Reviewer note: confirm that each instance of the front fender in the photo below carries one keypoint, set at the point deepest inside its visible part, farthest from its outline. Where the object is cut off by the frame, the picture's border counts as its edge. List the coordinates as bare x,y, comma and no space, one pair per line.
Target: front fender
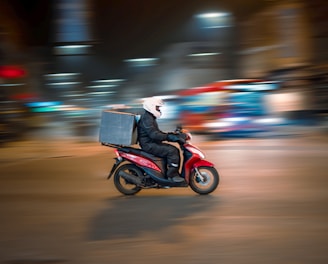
203,163
200,163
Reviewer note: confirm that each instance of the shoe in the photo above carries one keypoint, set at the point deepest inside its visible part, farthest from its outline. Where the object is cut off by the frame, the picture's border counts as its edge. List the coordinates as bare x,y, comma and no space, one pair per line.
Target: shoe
177,179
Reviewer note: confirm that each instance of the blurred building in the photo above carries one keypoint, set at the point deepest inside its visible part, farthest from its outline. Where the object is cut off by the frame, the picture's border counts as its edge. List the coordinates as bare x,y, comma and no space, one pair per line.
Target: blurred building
278,37
286,34
287,42
208,54
317,16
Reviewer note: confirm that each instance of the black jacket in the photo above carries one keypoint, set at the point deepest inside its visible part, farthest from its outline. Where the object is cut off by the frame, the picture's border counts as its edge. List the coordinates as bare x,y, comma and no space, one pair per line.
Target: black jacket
148,131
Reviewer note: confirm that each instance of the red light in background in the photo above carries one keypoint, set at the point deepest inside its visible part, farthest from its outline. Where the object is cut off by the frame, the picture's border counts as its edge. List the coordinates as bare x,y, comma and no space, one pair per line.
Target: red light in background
11,71
25,97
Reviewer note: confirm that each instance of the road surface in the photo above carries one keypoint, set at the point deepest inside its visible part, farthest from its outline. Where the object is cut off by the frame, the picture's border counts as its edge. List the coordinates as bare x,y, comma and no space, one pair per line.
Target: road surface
270,207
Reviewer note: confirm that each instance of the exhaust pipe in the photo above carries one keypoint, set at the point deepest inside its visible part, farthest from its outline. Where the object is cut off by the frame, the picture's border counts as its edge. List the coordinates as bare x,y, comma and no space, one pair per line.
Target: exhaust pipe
130,178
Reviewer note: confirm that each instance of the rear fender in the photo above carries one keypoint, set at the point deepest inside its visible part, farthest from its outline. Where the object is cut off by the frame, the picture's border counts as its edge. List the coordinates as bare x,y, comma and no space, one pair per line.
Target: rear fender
116,164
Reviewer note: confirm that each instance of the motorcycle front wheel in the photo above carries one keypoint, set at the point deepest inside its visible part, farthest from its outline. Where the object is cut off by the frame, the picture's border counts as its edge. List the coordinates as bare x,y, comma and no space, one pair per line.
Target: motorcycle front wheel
204,180
125,186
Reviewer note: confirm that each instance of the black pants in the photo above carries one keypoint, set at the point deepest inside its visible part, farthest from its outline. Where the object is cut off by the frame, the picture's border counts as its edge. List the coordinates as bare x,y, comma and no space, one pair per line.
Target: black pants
169,152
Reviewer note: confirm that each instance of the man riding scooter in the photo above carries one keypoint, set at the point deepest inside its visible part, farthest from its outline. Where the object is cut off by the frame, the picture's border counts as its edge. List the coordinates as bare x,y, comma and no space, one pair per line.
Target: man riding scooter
151,138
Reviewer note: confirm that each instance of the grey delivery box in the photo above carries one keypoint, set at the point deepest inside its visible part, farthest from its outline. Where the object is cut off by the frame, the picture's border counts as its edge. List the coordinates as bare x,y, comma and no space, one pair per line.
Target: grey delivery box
118,128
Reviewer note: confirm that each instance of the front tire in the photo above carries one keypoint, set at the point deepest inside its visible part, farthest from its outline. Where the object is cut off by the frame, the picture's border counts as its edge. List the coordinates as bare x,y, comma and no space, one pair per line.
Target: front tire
124,186
204,180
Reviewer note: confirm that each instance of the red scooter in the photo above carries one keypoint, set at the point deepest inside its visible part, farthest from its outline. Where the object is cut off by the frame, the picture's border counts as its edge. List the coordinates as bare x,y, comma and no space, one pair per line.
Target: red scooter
136,169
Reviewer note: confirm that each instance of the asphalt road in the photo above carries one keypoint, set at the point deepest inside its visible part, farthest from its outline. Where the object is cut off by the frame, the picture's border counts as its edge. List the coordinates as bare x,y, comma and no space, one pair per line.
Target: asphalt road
271,206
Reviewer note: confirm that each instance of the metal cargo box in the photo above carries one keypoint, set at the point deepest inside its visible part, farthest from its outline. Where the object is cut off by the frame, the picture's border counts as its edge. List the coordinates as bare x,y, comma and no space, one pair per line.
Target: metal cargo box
118,128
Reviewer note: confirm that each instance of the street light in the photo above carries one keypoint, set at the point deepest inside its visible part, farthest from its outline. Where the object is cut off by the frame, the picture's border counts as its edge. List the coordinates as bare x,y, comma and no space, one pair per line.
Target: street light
215,19
219,27
212,15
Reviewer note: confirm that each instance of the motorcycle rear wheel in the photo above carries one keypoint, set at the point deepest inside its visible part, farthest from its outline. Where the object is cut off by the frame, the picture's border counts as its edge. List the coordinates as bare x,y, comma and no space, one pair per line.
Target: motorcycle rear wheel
124,186
204,182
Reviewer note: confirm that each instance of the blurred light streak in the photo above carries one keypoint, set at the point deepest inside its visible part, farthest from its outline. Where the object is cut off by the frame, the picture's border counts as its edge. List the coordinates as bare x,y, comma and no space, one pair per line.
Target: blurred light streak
213,125
101,86
109,81
72,49
11,84
204,54
212,15
101,93
142,62
215,20
272,120
235,119
218,26
260,49
11,71
43,104
66,74
64,83
254,87
73,95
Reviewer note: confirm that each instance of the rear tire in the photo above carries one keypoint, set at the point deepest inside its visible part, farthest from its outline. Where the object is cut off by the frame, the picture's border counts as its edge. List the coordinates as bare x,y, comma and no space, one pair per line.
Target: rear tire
124,186
206,182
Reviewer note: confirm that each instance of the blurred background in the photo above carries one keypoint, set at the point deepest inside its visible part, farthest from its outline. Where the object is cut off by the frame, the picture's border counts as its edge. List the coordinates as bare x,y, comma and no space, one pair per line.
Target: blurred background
225,68
248,78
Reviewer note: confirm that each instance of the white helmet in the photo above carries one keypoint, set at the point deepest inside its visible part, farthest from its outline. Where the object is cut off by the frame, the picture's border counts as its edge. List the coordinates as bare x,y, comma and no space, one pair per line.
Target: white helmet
152,105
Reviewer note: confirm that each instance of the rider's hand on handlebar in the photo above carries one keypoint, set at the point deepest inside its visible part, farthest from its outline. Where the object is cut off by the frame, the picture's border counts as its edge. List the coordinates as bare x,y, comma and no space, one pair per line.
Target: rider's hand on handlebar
180,138
183,137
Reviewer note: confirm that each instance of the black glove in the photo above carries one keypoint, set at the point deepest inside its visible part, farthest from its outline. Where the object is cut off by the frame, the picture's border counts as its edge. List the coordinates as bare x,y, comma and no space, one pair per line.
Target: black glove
180,138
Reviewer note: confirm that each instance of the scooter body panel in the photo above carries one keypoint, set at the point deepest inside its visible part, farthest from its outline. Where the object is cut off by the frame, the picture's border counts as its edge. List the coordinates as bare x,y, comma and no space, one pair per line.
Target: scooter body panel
193,158
162,180
140,161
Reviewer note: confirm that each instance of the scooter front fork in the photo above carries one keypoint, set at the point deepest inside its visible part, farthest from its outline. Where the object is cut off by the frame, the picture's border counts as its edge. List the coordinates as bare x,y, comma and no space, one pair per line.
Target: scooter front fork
199,176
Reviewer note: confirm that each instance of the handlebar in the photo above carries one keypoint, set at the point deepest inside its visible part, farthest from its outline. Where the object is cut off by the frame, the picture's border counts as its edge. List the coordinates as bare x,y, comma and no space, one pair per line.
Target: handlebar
180,129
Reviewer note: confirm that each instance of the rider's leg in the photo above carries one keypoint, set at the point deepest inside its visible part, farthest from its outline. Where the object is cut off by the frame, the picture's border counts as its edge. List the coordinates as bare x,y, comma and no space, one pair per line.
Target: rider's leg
172,155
